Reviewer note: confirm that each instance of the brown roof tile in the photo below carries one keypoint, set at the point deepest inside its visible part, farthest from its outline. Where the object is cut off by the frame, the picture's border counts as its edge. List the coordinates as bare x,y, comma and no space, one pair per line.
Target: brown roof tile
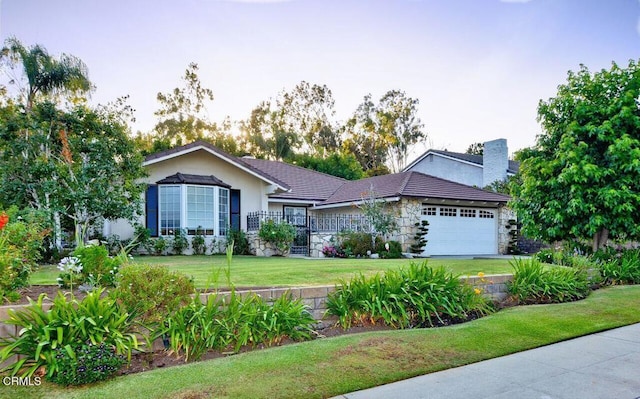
306,184
411,184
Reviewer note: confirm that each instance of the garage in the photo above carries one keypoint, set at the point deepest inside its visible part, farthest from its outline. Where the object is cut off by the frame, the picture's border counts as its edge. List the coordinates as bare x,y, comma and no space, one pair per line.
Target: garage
460,230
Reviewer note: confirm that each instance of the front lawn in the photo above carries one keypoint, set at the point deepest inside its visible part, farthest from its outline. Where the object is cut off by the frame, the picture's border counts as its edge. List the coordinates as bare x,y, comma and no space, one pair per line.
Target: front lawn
334,366
251,271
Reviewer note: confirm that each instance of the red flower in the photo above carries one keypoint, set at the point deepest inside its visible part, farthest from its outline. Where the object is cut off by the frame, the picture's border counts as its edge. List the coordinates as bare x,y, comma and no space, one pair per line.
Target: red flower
4,219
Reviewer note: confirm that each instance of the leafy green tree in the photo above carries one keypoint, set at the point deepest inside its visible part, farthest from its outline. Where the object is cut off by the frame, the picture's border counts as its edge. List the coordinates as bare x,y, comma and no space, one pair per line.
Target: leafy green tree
363,136
182,112
475,149
266,135
581,180
45,75
307,110
401,127
80,164
381,135
335,164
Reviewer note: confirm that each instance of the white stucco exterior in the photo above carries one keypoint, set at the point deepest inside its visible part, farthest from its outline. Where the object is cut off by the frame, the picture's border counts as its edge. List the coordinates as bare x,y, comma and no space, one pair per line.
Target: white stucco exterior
450,169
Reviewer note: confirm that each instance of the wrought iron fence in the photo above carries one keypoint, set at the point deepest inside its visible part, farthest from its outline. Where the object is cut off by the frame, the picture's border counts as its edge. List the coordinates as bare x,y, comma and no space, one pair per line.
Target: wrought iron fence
321,223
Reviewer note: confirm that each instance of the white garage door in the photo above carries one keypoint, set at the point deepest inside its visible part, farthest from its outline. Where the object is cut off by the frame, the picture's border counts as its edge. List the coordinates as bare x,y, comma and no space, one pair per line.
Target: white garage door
460,231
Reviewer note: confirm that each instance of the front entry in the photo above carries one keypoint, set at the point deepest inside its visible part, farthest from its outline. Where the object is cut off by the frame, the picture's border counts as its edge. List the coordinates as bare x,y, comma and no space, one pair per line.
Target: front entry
297,216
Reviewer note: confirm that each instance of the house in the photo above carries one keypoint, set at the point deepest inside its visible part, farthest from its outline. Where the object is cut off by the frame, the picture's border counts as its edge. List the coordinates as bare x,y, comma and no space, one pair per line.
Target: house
200,187
472,170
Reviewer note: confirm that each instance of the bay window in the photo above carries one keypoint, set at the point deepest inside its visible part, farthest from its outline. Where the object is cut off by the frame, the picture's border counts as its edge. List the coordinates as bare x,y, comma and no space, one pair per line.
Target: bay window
193,208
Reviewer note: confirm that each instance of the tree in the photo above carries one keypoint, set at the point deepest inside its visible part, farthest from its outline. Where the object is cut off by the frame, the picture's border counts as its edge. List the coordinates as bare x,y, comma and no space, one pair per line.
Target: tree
182,114
363,138
336,164
46,75
381,222
381,135
307,110
401,128
475,149
79,163
581,180
266,136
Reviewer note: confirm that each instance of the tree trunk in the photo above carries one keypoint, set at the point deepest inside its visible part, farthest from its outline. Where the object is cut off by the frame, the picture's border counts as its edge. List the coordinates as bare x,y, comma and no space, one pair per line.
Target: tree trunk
600,239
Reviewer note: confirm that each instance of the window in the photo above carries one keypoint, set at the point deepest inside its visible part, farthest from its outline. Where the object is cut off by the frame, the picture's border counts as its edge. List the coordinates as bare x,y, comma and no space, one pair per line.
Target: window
223,211
448,212
296,215
192,208
429,210
467,213
485,215
200,210
169,209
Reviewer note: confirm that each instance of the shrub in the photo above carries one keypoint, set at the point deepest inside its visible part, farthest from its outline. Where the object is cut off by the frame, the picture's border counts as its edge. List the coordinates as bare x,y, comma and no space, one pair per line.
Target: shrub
89,265
389,250
86,363
159,245
20,248
279,235
98,268
152,292
236,321
179,242
409,297
240,242
355,244
532,283
67,323
624,269
198,243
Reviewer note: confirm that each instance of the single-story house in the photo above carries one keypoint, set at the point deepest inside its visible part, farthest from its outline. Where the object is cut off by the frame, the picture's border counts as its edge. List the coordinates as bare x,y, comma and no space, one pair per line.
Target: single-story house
473,170
198,186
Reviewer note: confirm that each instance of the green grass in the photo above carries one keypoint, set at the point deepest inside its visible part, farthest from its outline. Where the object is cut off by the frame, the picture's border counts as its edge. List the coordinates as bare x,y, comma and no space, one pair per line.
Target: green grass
276,271
333,366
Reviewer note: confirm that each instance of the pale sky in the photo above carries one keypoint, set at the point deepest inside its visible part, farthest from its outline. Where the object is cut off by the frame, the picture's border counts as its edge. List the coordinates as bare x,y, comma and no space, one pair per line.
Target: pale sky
478,67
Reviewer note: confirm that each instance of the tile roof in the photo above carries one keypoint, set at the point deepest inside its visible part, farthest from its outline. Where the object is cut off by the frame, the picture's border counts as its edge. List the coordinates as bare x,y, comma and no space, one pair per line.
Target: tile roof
306,184
183,178
411,184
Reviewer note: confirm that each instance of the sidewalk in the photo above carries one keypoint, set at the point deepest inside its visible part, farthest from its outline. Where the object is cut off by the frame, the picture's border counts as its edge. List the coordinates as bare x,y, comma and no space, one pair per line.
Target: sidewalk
604,365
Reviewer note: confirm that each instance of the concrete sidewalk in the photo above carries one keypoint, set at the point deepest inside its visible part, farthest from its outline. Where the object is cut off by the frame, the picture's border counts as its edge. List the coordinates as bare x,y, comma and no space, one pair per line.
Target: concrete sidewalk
604,365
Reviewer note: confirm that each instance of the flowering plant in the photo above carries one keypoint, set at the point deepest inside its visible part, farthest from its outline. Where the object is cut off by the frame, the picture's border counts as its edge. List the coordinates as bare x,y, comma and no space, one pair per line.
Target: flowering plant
71,268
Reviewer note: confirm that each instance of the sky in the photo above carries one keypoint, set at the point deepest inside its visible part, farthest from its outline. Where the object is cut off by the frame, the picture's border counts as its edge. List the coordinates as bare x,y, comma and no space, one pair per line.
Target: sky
478,67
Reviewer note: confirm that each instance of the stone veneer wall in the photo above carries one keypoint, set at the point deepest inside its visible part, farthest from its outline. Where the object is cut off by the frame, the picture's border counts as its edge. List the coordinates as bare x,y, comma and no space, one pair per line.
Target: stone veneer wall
504,215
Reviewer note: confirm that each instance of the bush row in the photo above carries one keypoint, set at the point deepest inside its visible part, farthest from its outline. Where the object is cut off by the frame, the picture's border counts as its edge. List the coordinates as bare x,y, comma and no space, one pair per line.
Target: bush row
415,296
357,245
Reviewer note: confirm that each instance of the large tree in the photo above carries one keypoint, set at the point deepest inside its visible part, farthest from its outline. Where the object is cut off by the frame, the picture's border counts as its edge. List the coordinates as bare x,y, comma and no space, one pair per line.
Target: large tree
182,116
401,127
382,134
80,164
45,75
582,178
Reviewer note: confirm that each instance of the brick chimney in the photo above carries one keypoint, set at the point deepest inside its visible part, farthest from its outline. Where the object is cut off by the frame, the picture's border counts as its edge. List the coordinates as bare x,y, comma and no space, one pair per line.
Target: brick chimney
495,161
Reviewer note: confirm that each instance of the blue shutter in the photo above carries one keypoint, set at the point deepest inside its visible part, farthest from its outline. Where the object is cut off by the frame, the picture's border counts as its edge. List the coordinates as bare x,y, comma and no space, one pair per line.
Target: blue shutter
151,209
235,209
